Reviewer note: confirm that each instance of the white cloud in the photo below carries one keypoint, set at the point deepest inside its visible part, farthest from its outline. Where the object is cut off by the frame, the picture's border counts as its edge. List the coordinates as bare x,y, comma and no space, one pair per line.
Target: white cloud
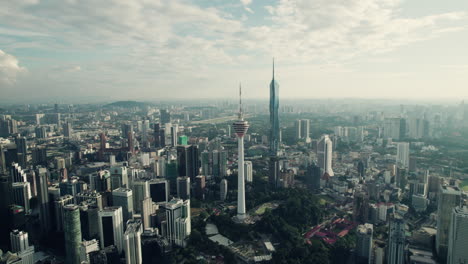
157,41
246,2
9,68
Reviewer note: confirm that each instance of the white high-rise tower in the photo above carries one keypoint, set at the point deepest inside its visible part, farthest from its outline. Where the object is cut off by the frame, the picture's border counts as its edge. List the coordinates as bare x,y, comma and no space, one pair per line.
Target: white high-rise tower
240,128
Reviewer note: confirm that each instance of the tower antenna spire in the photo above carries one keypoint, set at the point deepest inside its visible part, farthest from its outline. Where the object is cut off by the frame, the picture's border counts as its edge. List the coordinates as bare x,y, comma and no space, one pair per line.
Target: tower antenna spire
273,68
240,101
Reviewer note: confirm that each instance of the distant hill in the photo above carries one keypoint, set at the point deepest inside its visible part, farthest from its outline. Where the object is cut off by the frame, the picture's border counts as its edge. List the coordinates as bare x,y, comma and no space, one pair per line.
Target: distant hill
127,104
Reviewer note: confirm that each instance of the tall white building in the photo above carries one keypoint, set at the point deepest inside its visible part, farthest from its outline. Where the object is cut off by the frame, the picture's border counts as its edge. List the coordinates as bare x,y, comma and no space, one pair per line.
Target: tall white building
240,128
111,227
364,243
396,241
140,190
132,242
177,226
402,159
248,171
20,245
223,188
123,197
325,154
86,247
458,236
448,198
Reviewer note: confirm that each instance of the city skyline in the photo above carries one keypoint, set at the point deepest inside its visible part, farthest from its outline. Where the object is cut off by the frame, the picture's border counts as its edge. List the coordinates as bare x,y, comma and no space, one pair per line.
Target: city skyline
119,49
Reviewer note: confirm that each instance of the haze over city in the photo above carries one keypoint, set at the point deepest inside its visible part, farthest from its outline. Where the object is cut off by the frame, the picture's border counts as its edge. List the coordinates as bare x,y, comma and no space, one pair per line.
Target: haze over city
202,49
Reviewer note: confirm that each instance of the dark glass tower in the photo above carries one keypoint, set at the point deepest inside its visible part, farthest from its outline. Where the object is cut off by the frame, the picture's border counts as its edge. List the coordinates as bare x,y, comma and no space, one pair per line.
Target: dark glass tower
274,119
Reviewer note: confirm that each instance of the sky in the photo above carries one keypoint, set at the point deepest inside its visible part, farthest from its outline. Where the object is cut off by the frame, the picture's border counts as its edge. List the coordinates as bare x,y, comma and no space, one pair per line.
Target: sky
183,49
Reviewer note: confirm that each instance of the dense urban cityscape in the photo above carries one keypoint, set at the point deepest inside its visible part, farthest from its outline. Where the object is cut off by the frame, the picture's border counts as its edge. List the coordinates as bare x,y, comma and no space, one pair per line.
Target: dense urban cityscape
233,132
322,182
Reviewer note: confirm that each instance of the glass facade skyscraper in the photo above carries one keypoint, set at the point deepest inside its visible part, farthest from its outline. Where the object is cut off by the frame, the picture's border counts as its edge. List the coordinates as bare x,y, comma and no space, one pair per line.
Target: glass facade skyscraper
274,118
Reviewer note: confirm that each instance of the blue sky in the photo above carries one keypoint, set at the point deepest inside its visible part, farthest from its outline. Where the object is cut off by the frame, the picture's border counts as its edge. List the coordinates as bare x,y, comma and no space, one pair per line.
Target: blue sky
161,49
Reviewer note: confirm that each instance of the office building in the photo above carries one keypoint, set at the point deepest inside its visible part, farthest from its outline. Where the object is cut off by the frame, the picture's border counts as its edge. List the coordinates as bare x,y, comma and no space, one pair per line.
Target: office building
177,226
21,194
219,163
248,171
123,197
90,196
313,176
59,205
200,186
187,161
165,116
72,232
119,177
86,248
159,190
111,227
361,207
148,209
39,156
67,129
449,197
140,188
132,242
20,245
402,159
223,189
183,188
302,129
325,155
364,243
174,134
394,128
396,241
458,236
274,116
43,199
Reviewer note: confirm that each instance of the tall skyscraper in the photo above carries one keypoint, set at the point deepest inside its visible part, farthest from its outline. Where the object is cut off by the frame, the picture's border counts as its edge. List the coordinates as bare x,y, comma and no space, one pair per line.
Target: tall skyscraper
20,244
123,197
448,198
394,128
396,241
240,128
177,227
223,188
159,190
402,159
248,171
67,129
325,154
59,205
174,133
119,177
140,190
72,232
361,207
21,194
111,227
458,236
43,198
165,116
132,242
183,188
364,243
274,115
